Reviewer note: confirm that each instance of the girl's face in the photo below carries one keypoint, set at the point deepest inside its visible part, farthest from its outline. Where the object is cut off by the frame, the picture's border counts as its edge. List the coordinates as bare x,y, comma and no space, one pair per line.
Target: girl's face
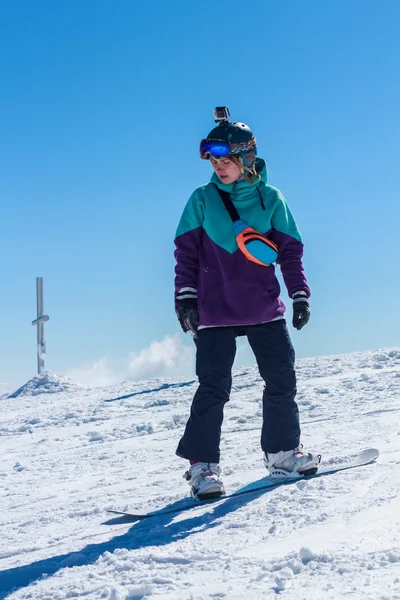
225,169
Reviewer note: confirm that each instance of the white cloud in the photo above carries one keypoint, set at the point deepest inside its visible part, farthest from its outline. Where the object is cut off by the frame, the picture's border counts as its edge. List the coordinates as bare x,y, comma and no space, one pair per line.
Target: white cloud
168,357
99,373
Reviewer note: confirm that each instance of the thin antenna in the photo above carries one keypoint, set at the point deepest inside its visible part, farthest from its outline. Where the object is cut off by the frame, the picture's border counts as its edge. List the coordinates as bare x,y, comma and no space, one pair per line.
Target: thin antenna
39,322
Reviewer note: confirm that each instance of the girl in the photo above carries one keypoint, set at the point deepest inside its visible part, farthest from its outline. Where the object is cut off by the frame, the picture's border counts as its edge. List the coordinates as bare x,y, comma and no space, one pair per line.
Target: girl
225,286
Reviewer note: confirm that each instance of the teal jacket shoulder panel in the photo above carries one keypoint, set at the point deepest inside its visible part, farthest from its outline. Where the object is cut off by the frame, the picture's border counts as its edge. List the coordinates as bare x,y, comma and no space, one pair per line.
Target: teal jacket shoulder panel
205,209
282,219
193,213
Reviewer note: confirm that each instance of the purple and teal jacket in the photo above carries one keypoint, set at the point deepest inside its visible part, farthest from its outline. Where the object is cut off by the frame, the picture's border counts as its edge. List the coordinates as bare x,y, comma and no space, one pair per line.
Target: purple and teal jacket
230,289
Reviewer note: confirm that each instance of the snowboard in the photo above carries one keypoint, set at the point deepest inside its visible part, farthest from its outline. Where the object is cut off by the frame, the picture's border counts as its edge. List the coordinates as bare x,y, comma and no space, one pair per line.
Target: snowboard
361,459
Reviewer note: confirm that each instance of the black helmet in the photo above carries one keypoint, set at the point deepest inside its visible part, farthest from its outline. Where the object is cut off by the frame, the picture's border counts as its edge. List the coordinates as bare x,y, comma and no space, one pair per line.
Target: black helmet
229,138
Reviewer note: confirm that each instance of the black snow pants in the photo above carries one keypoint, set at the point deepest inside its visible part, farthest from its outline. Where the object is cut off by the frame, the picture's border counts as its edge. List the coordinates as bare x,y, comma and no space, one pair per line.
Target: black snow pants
216,349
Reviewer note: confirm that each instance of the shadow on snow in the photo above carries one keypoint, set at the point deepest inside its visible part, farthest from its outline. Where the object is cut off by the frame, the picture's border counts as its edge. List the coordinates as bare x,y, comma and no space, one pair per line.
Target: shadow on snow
164,386
140,535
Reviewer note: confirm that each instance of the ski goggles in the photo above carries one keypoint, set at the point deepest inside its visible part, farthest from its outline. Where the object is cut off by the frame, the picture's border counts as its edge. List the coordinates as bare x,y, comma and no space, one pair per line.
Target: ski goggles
220,148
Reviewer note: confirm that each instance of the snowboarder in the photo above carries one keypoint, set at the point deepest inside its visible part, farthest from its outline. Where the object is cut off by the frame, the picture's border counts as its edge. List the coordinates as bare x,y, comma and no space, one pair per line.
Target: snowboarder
225,286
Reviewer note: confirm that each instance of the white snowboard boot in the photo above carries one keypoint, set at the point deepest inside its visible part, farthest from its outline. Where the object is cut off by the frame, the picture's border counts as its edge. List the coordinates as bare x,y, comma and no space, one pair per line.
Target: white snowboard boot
291,463
204,481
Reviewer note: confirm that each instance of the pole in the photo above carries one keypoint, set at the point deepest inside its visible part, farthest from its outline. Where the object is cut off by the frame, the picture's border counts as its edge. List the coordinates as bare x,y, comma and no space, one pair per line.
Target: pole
40,328
39,322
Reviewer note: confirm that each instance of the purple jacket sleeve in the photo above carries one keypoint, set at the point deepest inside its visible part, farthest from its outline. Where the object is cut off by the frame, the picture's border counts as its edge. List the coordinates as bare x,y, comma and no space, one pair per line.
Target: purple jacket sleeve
290,261
187,263
187,242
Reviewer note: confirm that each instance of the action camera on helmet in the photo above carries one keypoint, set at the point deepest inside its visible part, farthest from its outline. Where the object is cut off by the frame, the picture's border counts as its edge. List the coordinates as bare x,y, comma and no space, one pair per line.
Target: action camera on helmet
221,113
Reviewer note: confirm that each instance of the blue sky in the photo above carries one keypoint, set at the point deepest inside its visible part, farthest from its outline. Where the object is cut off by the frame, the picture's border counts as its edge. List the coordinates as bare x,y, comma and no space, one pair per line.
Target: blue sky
102,108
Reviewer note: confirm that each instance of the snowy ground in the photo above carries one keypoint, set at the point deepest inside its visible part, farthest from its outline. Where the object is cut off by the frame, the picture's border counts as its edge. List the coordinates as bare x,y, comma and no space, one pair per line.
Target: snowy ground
69,452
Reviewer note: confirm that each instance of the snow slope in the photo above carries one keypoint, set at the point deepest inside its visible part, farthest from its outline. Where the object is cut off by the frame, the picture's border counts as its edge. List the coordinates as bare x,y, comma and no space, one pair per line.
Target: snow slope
69,452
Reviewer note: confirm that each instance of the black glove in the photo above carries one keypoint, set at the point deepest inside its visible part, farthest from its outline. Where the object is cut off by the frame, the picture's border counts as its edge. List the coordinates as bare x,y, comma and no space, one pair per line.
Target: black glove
301,310
188,314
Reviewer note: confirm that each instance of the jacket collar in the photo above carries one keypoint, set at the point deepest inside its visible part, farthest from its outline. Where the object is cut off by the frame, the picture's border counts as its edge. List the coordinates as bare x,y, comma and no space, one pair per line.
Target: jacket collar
241,190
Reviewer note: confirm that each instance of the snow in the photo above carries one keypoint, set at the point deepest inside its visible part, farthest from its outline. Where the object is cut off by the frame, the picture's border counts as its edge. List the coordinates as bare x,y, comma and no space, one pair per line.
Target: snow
69,452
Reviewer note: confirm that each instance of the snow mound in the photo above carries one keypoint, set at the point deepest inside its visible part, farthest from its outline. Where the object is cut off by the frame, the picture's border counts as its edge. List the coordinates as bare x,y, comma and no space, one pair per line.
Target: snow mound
46,383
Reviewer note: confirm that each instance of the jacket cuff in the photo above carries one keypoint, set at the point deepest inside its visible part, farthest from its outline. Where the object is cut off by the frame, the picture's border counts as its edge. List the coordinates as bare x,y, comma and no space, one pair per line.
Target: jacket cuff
185,293
300,296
